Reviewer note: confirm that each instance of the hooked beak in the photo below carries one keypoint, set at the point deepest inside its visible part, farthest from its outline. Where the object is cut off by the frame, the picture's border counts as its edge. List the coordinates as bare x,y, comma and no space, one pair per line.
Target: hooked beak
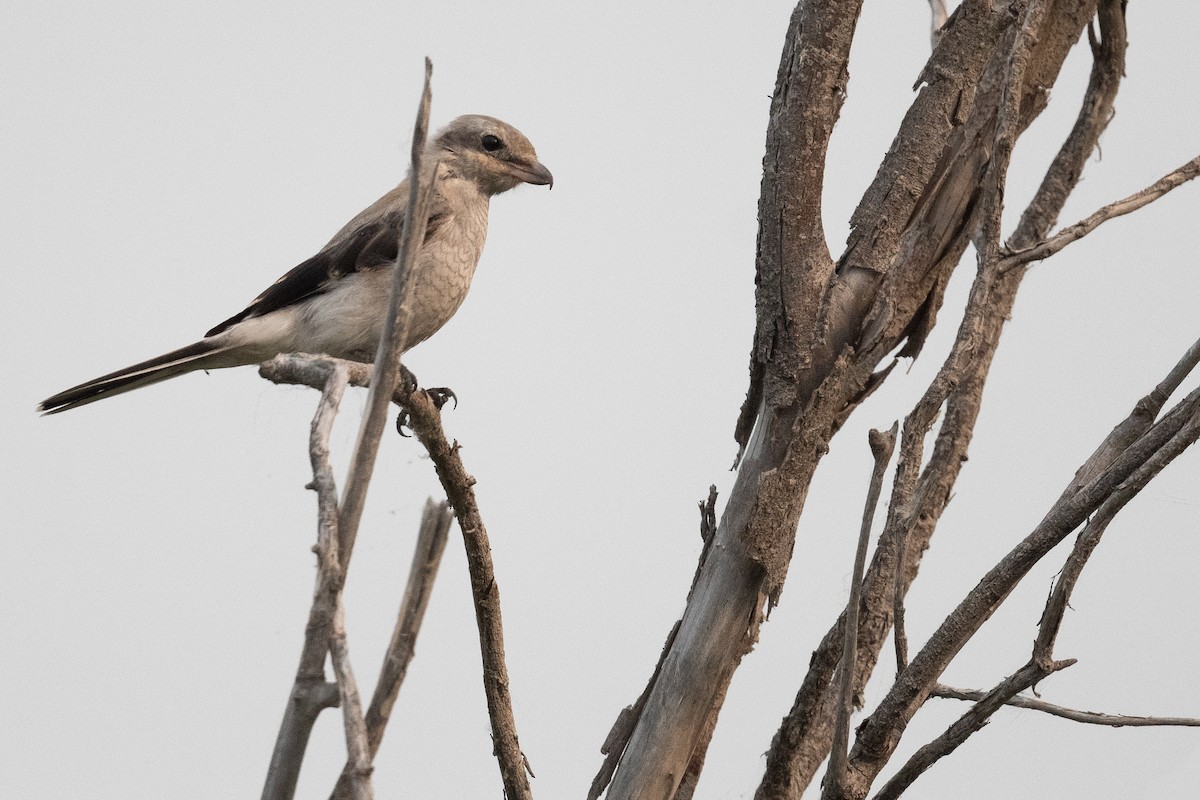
532,172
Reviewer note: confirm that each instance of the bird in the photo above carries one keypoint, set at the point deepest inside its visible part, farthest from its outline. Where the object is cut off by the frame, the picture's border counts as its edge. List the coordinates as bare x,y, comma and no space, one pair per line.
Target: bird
335,303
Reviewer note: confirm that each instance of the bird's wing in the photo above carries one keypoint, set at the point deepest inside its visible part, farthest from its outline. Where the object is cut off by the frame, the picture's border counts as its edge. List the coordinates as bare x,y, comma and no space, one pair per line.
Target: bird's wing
372,245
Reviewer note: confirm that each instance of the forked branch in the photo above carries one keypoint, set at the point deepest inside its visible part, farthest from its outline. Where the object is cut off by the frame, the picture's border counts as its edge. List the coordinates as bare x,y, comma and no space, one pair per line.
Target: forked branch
425,420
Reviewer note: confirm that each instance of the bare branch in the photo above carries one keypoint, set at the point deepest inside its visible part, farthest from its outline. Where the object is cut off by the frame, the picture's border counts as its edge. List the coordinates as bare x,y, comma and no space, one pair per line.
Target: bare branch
1075,715
310,692
1120,208
458,484
882,445
395,330
427,555
919,495
358,752
425,420
1041,663
327,599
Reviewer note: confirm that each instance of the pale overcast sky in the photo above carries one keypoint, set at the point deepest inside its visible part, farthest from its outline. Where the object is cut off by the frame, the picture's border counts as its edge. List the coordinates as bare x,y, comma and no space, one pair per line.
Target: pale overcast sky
162,163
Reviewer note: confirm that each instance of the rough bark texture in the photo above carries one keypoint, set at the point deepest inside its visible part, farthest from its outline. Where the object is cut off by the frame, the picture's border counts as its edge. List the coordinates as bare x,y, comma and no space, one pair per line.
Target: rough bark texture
825,328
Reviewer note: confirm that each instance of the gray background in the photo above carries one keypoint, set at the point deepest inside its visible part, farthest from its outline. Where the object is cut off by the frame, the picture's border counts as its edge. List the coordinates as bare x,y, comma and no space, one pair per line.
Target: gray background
161,165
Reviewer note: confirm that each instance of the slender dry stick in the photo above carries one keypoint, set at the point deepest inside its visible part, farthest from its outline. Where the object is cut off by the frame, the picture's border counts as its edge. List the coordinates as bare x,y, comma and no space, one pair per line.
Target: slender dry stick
882,445
311,693
1008,126
395,330
358,752
425,420
427,555
1074,233
426,423
1073,714
328,596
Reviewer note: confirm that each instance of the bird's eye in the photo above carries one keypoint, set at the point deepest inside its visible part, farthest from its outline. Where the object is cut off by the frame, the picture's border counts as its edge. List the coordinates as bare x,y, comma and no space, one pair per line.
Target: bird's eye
491,143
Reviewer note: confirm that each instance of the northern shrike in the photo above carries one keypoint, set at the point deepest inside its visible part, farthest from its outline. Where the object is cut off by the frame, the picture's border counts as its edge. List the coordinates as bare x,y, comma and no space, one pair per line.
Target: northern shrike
335,302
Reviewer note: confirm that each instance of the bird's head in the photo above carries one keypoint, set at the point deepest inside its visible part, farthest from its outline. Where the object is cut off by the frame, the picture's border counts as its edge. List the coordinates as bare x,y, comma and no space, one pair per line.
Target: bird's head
493,154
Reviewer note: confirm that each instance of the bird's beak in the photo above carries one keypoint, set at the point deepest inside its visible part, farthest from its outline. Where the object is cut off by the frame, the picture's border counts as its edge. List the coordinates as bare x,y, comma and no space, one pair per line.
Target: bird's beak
532,172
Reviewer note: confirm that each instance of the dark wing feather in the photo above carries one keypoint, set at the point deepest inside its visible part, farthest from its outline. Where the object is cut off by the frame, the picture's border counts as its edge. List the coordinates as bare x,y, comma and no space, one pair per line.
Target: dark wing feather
375,244
371,246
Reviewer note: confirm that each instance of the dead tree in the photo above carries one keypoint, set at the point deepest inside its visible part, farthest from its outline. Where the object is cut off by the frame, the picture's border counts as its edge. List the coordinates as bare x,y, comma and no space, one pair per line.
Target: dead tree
829,330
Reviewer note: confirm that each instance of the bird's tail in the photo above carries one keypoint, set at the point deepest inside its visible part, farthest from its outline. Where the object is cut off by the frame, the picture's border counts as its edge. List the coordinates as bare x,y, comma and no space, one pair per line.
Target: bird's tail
204,354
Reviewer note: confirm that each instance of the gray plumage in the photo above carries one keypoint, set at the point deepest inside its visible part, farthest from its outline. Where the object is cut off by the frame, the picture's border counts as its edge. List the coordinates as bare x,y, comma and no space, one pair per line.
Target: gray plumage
335,302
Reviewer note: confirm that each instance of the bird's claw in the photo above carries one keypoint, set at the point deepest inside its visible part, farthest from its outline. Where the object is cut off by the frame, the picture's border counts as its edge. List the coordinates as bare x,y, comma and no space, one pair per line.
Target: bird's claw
441,395
408,381
402,423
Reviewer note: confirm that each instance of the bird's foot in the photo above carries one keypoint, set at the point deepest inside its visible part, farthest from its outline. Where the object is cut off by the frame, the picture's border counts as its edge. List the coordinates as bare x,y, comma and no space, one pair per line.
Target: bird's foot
439,396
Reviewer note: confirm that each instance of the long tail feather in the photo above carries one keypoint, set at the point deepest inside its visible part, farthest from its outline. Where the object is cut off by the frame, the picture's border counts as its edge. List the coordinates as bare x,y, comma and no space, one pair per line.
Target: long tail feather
203,354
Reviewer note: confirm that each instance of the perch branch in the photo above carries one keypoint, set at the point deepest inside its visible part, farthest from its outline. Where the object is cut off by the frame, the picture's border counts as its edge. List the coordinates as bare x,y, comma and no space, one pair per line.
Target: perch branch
311,693
425,420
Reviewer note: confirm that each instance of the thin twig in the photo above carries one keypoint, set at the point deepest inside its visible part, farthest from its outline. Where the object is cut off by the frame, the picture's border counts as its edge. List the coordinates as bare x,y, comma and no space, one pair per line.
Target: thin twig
328,596
358,752
1095,112
1073,714
427,555
395,329
311,693
882,445
1074,233
426,424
